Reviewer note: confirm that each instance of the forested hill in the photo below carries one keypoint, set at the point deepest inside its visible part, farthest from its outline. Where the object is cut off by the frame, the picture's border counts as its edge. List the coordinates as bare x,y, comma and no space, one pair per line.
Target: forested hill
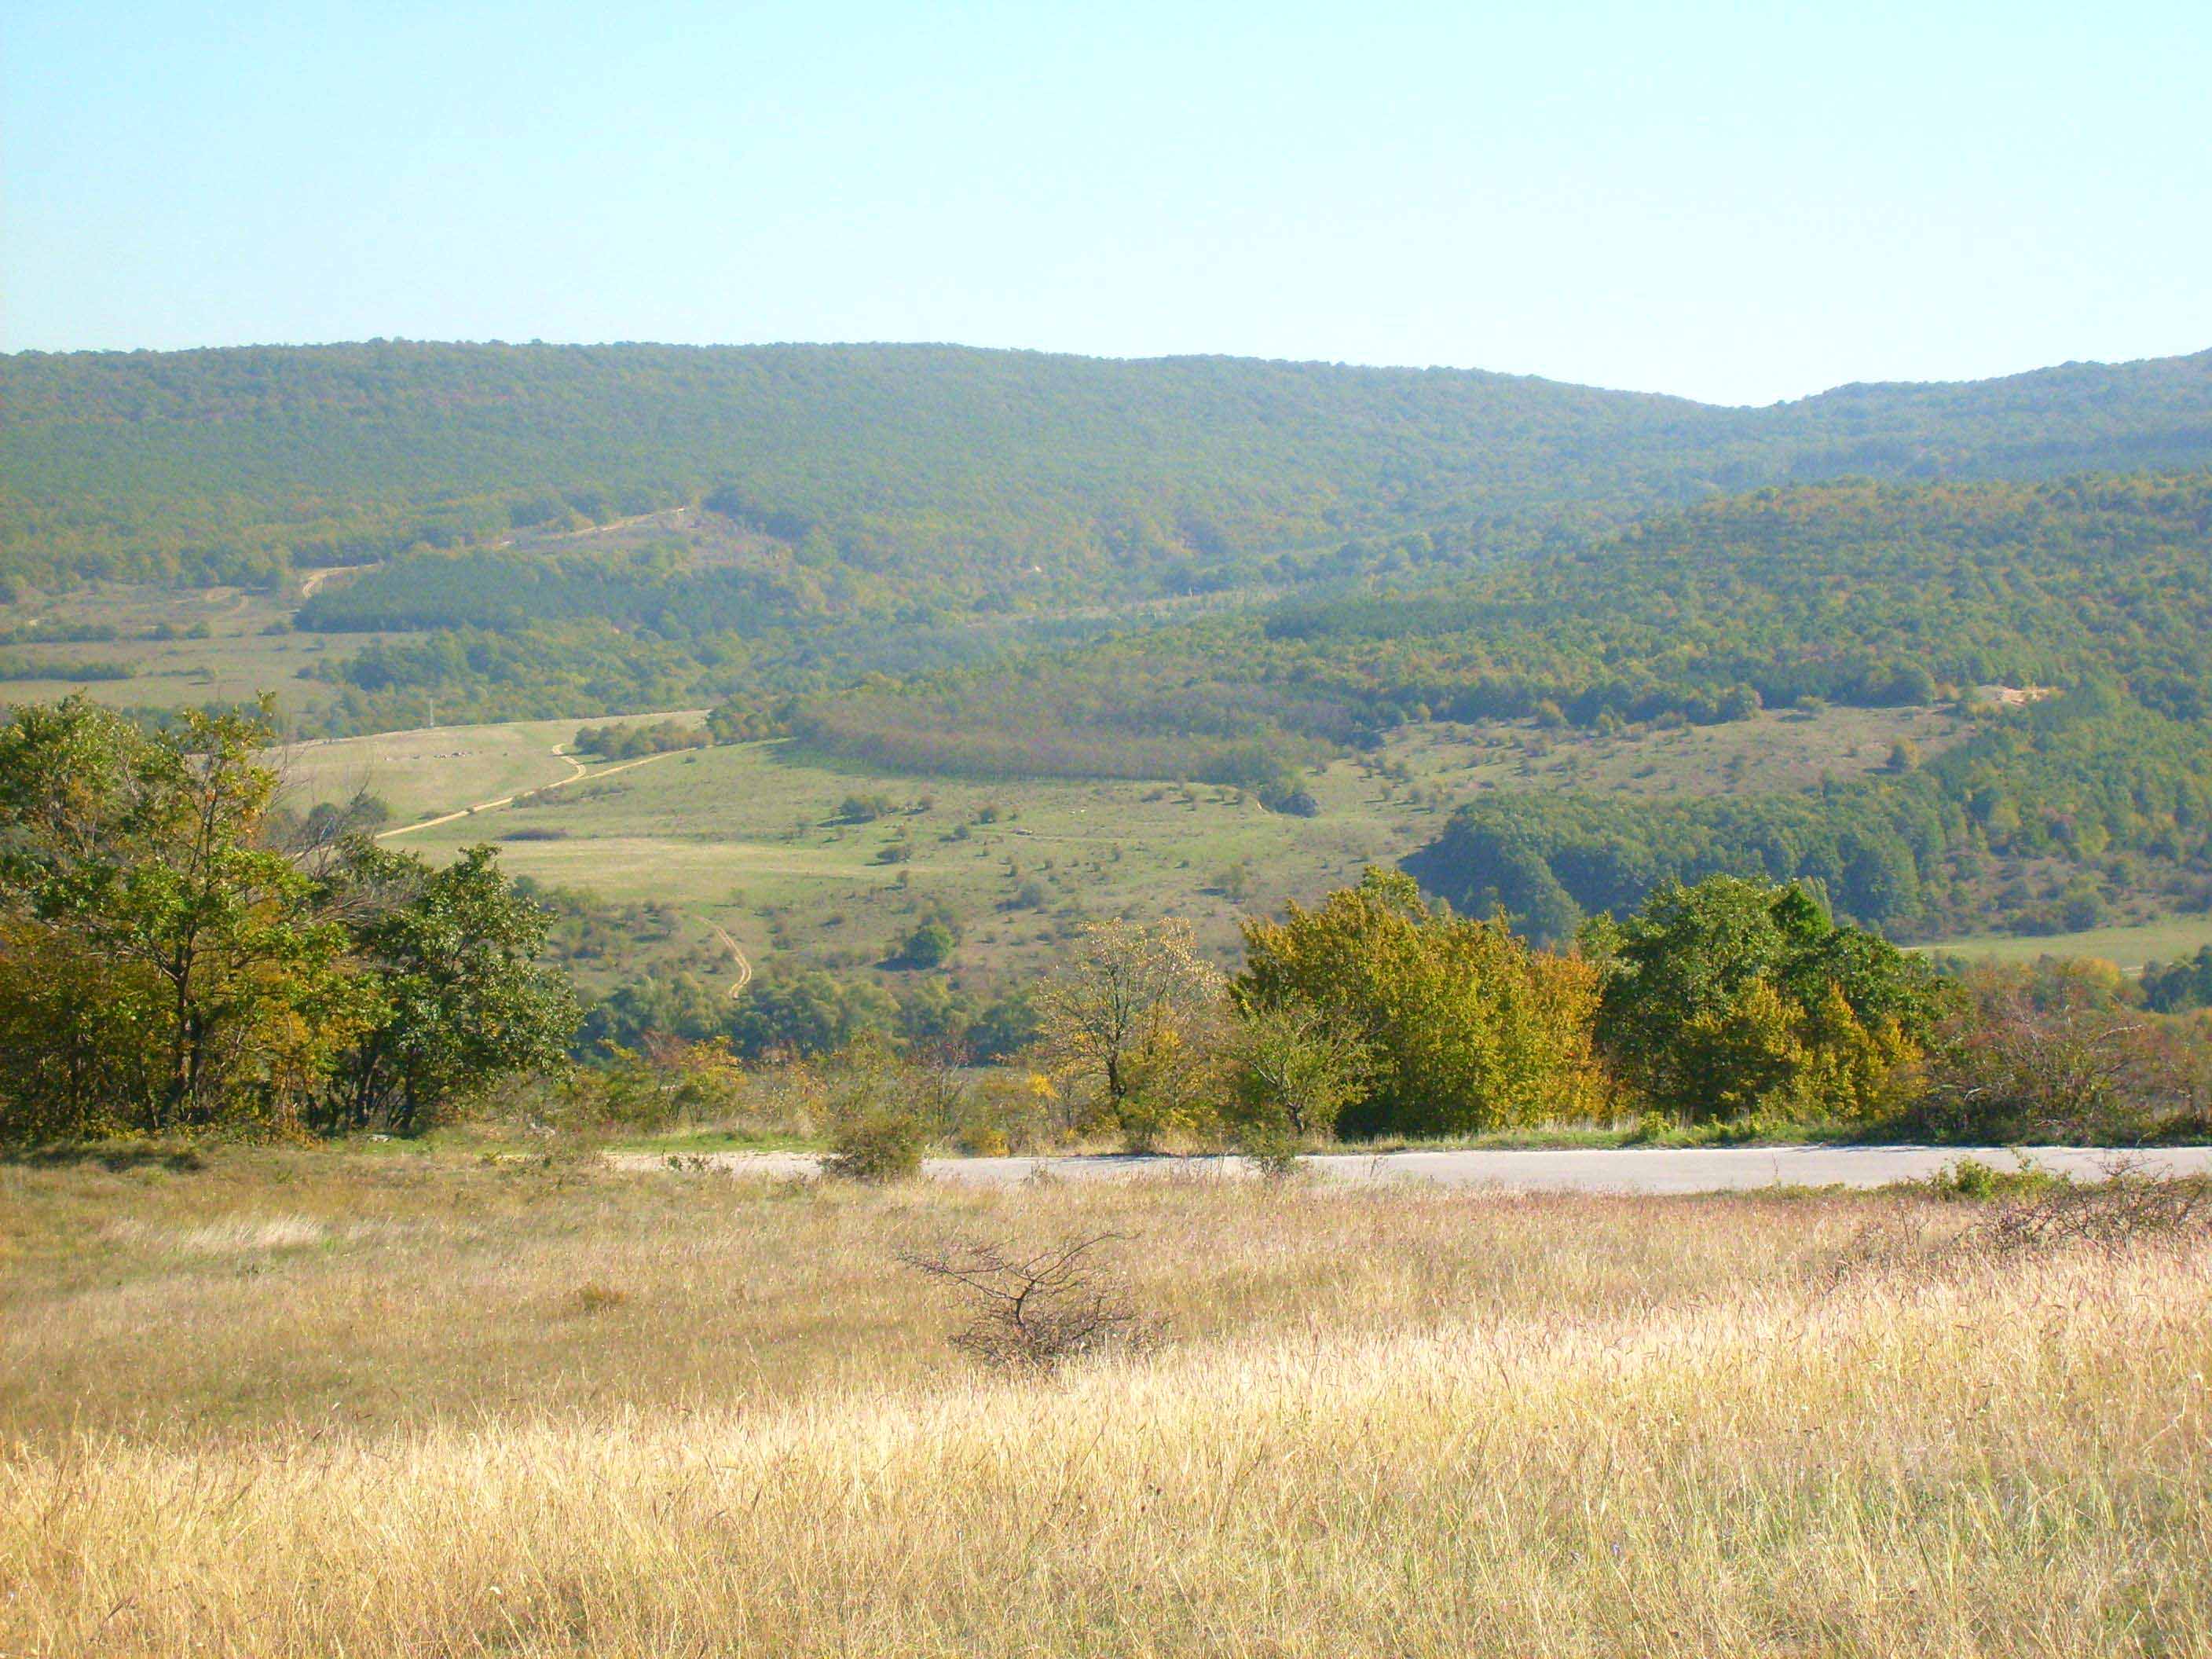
2094,594
992,477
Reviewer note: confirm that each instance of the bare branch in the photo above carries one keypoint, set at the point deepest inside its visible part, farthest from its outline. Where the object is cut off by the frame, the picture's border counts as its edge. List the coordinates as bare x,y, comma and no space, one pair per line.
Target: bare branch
1039,1310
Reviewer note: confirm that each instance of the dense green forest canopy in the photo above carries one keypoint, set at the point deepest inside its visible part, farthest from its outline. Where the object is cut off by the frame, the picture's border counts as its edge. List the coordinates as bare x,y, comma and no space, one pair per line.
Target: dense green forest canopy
978,476
1855,592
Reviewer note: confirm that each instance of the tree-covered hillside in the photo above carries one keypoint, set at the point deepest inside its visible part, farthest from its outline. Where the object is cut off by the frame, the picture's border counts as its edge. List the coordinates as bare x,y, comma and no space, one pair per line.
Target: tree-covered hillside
2094,595
1004,478
1853,592
2099,592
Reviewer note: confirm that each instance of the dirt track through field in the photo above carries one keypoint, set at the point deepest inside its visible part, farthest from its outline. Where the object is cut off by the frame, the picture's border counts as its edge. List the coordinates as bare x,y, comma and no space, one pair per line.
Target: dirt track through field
578,772
737,959
1609,1169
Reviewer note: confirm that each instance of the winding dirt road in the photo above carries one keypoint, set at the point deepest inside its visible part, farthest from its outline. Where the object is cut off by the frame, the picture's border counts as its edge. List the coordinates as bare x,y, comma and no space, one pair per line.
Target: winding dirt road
578,771
736,959
314,579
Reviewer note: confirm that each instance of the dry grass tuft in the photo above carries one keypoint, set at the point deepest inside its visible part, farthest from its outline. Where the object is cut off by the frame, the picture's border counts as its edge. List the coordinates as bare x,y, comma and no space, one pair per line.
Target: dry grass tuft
235,1235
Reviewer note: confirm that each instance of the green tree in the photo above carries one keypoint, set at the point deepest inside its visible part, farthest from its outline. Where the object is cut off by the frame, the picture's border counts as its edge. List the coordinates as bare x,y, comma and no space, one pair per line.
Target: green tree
465,1001
1469,1026
2173,987
1733,998
797,1013
210,988
929,945
1293,1068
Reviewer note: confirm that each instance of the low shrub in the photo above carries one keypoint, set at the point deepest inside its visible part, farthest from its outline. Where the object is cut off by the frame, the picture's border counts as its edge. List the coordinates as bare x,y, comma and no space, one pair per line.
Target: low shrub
2126,1208
1975,1182
2056,1058
2028,1212
1039,1310
878,1146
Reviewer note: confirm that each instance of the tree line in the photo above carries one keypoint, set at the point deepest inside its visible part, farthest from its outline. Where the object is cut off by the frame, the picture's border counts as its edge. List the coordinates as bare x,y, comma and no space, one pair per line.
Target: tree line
1374,1012
179,954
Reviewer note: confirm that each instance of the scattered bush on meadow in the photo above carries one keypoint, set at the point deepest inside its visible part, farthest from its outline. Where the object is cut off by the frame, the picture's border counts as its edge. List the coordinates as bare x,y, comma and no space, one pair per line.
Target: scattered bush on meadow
1037,1311
1970,1181
929,943
2028,1211
866,809
880,1144
2127,1208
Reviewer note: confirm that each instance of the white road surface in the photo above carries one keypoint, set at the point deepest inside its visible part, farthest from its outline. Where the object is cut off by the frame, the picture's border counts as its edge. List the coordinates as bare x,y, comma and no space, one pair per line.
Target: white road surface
1627,1170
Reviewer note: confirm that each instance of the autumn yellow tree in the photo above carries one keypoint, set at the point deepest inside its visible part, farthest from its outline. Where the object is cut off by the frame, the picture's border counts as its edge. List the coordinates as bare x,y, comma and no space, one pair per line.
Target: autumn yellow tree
1466,1025
1126,1021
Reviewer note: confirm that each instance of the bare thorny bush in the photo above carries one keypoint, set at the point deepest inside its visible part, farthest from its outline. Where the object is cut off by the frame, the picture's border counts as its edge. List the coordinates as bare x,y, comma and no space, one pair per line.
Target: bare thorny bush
2127,1210
1038,1310
2053,1057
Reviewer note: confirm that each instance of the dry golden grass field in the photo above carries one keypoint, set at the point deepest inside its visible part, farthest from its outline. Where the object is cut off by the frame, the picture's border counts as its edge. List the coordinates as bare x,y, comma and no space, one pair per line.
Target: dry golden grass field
397,1402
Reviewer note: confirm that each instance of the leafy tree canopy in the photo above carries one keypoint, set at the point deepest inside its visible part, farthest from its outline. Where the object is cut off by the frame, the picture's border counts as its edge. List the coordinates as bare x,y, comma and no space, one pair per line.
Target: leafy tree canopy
1733,998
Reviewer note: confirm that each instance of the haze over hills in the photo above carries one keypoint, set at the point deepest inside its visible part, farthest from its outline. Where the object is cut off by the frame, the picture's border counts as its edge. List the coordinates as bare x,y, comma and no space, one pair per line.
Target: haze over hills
1008,478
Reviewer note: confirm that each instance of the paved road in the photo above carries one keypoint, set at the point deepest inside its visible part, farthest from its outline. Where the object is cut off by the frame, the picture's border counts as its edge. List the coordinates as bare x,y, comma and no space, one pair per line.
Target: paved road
1631,1170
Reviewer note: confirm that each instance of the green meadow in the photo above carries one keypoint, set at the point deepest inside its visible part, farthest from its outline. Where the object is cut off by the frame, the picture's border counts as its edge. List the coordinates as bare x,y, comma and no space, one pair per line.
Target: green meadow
803,855
2130,947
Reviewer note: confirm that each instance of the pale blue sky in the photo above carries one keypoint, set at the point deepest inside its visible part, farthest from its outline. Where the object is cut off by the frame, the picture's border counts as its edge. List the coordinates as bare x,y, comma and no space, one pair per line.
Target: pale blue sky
1734,202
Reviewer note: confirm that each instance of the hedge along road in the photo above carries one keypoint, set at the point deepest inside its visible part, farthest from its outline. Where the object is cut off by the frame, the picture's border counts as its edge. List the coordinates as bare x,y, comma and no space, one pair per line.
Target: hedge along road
1608,1169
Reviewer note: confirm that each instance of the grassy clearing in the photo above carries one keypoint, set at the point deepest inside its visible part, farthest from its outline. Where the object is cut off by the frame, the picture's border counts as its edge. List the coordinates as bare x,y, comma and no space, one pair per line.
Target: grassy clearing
400,1403
438,769
755,837
239,658
2129,947
1773,752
